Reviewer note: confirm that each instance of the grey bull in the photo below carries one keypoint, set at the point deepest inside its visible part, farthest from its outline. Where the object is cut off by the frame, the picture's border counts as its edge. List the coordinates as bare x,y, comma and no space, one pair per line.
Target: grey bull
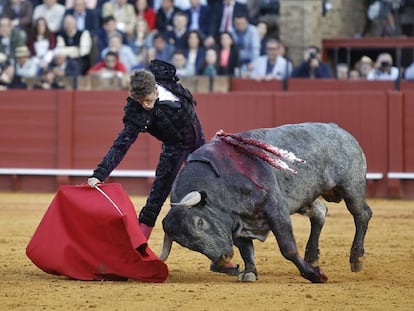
229,193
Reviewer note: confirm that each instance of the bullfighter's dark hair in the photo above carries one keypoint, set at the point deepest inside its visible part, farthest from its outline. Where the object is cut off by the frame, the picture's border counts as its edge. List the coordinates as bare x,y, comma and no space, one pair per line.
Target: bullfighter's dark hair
142,83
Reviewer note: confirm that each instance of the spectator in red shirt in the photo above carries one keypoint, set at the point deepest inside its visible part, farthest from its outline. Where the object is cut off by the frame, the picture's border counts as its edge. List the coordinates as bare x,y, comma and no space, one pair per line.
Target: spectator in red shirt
108,67
143,10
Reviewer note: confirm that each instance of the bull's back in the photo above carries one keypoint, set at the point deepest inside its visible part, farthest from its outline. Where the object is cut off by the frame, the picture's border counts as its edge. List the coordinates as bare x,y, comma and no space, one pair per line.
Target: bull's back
333,157
307,140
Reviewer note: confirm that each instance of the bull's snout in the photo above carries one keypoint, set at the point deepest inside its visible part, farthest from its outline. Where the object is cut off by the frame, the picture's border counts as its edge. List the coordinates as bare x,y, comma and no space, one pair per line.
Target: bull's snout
225,259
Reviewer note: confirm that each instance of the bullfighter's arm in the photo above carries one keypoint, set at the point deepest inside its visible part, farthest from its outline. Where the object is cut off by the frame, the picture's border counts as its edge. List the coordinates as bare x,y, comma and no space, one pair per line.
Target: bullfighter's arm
117,152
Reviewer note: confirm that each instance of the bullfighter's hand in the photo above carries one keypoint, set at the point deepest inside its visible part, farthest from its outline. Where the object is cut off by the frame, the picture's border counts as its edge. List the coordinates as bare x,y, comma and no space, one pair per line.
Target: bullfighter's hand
93,182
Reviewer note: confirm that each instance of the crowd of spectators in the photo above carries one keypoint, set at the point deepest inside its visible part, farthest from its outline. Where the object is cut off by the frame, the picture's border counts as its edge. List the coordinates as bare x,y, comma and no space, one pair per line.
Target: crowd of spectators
52,39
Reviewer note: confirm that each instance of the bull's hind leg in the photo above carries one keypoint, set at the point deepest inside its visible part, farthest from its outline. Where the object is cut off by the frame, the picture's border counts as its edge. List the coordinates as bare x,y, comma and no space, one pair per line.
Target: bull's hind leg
280,223
316,214
358,207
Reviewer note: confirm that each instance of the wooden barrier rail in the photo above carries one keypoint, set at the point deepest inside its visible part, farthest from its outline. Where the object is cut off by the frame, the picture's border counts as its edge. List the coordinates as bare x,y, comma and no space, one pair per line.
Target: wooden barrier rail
131,173
400,175
74,172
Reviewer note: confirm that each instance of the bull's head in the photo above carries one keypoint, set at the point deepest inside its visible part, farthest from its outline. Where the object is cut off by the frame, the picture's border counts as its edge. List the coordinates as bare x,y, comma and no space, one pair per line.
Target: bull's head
192,223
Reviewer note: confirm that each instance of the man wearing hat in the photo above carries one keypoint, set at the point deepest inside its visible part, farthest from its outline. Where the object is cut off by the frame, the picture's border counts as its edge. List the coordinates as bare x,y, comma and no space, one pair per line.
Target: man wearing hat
25,67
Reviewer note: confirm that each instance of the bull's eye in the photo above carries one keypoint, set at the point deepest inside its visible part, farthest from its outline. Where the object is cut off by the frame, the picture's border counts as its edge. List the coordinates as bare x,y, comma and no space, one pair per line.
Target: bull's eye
200,223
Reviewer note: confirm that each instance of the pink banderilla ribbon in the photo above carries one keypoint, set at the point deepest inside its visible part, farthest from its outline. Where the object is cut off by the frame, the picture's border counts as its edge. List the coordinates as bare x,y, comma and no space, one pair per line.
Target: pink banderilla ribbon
251,145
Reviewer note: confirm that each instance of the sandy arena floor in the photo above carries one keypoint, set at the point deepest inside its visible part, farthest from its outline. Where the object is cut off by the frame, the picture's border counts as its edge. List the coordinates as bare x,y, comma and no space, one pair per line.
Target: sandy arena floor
385,283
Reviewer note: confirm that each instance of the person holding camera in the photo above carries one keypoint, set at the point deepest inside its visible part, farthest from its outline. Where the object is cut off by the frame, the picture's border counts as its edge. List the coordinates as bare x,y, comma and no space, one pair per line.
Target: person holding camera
312,66
384,70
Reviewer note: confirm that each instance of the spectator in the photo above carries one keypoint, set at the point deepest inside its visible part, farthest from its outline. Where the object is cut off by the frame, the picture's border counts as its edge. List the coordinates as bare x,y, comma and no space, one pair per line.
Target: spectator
253,8
162,50
364,66
144,59
228,54
386,25
76,44
247,40
194,50
6,72
271,66
142,39
10,38
182,5
262,29
342,71
312,65
108,29
165,14
63,66
177,36
406,18
124,51
368,17
143,10
25,67
284,51
2,6
382,12
384,70
20,13
199,18
155,4
180,63
53,13
354,75
86,19
109,67
49,81
210,66
409,72
41,43
90,4
123,12
223,15
269,13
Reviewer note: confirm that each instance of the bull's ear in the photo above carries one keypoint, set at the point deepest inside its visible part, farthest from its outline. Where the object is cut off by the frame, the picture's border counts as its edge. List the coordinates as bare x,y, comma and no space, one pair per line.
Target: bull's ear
203,200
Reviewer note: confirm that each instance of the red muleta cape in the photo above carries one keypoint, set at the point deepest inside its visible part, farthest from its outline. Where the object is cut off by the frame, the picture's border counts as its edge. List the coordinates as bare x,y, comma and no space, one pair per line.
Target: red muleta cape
93,234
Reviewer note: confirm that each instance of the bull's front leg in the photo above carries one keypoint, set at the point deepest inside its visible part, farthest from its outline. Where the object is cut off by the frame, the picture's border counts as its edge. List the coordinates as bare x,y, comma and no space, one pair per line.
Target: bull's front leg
280,223
246,250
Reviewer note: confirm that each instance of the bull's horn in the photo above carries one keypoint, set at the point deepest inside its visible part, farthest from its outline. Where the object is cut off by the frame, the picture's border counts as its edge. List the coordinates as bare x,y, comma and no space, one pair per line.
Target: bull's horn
166,247
190,199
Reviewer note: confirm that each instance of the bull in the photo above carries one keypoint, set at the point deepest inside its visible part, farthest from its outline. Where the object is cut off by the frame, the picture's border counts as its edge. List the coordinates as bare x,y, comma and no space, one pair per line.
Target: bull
230,193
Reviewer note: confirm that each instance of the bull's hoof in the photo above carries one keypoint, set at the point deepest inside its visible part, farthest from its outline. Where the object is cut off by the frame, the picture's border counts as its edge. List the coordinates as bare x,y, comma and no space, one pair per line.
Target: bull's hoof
356,266
317,276
227,269
248,277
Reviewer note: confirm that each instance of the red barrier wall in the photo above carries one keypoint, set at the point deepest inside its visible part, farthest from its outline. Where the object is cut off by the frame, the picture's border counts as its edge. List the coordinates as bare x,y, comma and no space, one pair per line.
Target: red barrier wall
69,129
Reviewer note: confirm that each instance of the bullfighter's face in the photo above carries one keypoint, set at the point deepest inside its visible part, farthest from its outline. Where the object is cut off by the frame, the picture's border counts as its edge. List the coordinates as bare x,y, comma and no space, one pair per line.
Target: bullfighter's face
148,101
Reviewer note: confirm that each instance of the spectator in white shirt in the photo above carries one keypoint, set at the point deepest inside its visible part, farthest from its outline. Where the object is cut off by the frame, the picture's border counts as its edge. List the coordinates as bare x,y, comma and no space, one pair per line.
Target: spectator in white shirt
271,66
384,69
53,12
